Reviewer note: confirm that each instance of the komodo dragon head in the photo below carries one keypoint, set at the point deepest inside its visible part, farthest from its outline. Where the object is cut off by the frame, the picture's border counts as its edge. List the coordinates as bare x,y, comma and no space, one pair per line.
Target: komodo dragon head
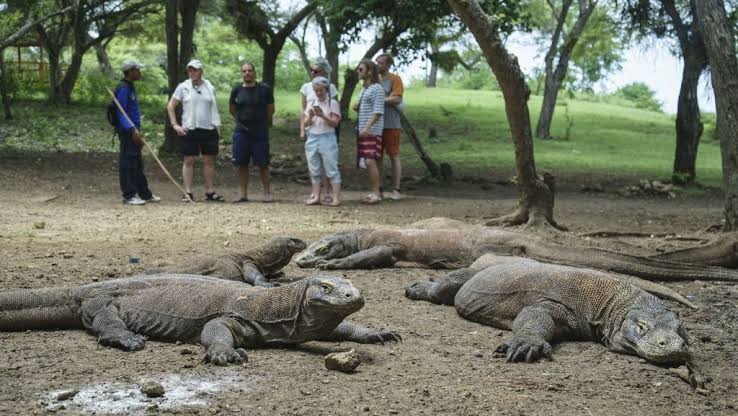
653,332
335,295
337,245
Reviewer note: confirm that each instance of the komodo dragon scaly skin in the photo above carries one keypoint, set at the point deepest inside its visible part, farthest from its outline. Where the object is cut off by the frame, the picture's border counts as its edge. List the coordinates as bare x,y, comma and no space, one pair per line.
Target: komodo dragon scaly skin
222,315
543,303
455,248
653,288
252,266
722,252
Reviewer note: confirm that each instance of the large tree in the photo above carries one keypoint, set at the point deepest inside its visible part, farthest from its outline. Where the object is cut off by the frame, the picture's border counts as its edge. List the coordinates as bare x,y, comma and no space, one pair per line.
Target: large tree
179,21
269,26
87,23
535,206
674,19
718,36
563,40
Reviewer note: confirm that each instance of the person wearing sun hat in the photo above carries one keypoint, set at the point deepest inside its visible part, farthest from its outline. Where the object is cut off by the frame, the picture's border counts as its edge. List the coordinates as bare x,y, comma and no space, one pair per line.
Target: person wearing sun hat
199,128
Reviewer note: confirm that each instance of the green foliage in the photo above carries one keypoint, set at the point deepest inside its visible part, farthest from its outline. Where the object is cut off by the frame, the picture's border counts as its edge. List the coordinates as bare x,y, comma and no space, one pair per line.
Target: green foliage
641,95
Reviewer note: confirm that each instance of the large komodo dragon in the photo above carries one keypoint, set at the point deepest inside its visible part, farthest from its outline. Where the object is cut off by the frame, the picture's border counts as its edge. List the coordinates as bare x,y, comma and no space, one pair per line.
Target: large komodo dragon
456,248
253,266
543,303
222,315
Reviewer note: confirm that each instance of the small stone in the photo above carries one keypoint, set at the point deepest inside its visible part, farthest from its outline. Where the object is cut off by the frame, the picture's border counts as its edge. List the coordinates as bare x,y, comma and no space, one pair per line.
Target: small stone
186,351
703,392
346,361
133,260
151,388
66,395
39,225
393,411
681,372
500,333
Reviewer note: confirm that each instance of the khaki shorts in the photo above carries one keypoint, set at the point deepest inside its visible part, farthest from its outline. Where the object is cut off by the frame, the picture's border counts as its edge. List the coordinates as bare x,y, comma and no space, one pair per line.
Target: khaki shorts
391,141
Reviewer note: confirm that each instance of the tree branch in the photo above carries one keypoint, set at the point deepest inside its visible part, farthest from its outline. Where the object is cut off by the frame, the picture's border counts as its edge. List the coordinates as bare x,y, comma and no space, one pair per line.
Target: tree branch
30,25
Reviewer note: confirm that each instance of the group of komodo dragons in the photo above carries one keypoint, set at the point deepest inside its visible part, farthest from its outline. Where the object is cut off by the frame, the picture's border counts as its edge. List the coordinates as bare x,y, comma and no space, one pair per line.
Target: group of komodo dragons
543,288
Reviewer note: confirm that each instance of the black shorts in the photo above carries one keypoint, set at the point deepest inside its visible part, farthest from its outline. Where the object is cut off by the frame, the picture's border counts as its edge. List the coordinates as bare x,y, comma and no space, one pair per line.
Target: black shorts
200,142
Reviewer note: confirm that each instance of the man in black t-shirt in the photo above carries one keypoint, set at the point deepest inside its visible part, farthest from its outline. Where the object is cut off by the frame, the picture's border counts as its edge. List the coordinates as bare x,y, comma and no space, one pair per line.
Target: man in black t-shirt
252,105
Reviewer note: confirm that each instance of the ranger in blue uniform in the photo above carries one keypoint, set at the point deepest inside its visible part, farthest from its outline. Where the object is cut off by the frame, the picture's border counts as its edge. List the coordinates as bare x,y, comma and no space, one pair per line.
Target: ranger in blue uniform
133,182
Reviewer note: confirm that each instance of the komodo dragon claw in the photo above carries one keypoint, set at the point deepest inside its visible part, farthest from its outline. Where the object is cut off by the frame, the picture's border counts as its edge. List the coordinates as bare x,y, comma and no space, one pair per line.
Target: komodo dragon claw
128,342
517,350
381,336
223,356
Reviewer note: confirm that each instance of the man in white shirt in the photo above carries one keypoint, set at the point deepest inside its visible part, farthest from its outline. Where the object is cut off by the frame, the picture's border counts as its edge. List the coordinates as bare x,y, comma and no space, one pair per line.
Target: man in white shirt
199,128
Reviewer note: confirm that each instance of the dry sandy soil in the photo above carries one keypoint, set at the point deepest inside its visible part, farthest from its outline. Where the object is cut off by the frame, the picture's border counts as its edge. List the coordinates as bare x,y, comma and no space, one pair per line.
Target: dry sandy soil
445,365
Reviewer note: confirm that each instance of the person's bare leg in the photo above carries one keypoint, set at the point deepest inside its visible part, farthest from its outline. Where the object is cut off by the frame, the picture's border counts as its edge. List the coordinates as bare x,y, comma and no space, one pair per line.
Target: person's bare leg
396,171
336,195
326,186
208,171
188,169
243,180
266,181
314,197
373,173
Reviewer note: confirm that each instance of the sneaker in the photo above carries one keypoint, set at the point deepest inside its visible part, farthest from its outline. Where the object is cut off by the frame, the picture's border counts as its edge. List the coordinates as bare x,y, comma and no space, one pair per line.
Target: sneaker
153,198
395,195
134,201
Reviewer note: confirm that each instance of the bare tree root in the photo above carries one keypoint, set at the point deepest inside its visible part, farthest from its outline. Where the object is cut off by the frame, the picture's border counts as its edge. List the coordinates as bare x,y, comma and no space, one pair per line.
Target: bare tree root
531,219
667,236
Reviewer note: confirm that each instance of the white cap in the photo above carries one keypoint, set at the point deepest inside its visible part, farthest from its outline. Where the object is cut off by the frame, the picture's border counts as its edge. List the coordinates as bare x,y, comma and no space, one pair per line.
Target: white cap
130,64
195,63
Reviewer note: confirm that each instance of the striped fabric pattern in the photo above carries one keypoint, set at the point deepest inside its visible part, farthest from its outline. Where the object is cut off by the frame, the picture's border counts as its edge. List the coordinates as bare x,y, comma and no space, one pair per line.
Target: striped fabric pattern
371,101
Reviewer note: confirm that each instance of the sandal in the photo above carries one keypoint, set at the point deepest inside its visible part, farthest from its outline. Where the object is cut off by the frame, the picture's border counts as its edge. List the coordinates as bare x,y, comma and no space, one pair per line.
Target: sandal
312,200
241,200
372,199
214,197
184,197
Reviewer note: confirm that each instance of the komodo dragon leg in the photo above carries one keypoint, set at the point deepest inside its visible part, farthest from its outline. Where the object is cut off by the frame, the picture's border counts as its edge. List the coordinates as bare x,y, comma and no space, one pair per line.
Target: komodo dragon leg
253,276
220,338
100,315
443,290
372,258
533,330
348,331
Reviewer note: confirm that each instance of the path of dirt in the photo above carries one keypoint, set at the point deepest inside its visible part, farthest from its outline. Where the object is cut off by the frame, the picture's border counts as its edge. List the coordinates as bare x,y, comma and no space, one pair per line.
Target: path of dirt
444,365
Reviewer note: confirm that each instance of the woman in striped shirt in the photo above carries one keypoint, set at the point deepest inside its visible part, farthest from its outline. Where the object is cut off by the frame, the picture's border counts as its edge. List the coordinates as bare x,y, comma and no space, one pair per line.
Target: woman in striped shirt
370,125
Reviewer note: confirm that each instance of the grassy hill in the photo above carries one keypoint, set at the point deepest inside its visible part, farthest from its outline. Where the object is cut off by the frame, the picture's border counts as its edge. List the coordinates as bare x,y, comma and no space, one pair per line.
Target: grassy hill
471,134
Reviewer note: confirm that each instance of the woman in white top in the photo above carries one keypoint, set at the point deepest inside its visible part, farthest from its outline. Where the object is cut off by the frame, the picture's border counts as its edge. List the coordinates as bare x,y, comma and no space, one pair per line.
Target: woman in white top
320,68
321,148
199,128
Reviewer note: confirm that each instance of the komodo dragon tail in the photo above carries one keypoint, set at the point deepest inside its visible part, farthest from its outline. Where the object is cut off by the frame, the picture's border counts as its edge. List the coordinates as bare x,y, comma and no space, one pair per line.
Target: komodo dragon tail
643,267
22,309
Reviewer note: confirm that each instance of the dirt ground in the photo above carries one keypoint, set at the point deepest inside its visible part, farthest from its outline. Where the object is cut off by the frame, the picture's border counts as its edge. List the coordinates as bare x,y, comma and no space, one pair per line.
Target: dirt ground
62,223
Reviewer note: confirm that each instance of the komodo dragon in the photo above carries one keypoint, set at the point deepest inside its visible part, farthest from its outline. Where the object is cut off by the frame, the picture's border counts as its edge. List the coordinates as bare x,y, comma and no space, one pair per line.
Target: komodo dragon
653,288
722,251
252,266
222,315
543,303
456,248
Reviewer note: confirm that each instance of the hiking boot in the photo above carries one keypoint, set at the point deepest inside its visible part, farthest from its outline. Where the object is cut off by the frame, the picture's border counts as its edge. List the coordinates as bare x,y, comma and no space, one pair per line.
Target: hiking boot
153,198
135,200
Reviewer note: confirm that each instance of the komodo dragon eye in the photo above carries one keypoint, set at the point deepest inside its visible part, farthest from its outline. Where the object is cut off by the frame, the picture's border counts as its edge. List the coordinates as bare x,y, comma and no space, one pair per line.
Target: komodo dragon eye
642,327
326,287
322,250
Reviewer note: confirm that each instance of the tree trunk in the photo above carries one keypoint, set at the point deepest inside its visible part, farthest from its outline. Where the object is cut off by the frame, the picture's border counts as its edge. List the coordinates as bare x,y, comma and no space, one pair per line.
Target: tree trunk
179,51
301,48
433,75
103,60
269,66
688,125
550,96
555,77
4,94
535,206
720,46
70,77
331,37
54,75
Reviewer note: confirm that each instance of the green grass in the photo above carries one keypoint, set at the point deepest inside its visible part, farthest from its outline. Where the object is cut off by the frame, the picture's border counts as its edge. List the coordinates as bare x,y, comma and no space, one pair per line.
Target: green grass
472,134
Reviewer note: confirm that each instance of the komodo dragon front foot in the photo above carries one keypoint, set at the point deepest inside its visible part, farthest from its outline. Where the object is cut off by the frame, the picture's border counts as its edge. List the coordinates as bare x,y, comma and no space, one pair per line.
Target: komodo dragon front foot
419,290
528,350
127,342
379,336
333,264
223,354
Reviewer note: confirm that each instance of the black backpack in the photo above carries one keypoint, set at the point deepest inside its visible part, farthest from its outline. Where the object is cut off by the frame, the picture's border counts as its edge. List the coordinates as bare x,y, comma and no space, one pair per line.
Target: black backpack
112,109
